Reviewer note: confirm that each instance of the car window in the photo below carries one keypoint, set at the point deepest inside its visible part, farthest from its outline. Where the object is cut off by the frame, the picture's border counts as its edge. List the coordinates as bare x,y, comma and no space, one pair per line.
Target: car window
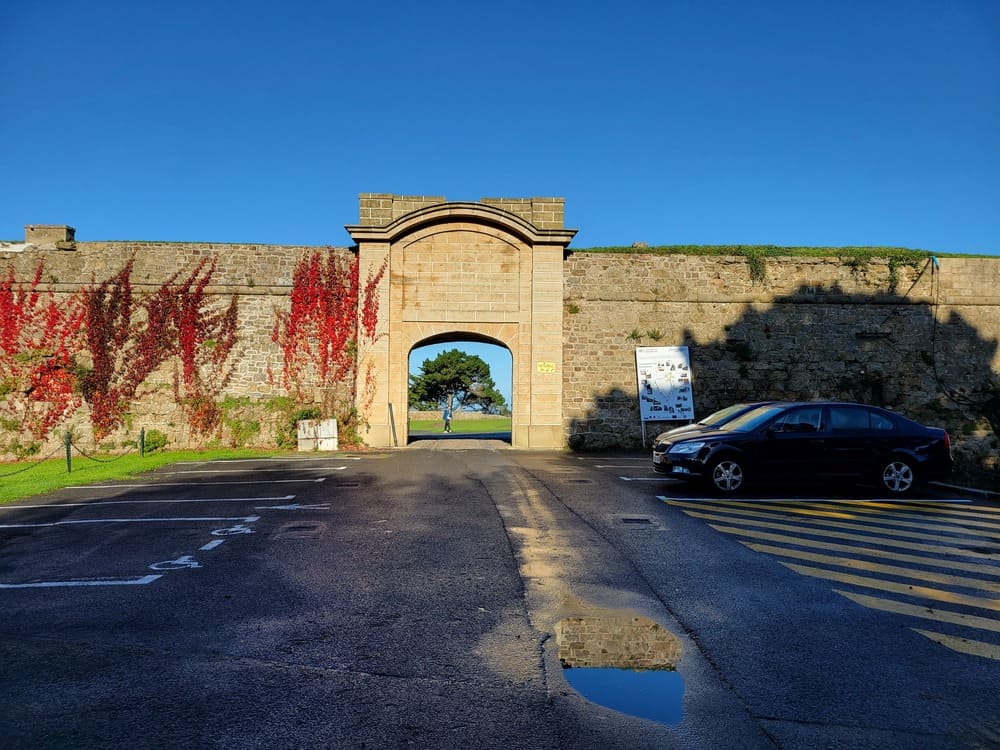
848,418
722,414
881,422
807,419
752,419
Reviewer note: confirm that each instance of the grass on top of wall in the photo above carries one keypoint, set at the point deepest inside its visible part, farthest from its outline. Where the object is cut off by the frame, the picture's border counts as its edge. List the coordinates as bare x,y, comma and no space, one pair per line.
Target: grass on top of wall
775,251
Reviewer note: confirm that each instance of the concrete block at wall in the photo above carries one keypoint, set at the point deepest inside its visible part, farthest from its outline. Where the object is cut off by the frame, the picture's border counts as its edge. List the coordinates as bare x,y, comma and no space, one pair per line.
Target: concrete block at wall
316,434
48,234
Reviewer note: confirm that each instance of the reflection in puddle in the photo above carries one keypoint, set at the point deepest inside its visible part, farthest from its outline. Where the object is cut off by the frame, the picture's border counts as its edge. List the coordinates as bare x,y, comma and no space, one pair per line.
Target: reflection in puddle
624,662
650,695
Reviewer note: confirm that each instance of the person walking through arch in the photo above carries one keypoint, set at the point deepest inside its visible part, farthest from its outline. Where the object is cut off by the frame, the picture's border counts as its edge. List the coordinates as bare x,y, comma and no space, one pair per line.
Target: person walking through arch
446,415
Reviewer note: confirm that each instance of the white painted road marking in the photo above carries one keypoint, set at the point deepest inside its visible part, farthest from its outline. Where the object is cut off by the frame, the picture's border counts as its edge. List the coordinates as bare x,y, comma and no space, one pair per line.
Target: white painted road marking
263,460
184,561
141,502
244,471
233,530
245,519
88,582
212,545
646,479
845,501
186,484
294,506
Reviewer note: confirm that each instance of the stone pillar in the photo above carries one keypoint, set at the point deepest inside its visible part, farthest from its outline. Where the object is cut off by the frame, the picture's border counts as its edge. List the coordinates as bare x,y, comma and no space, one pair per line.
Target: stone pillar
374,362
545,397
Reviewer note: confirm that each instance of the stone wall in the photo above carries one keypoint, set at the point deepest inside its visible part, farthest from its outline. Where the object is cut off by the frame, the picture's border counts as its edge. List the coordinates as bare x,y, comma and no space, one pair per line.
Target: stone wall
921,339
259,275
813,328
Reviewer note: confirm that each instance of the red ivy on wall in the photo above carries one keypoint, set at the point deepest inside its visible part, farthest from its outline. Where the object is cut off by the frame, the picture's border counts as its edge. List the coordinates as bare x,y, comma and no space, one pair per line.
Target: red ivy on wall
39,341
122,352
129,340
205,339
318,335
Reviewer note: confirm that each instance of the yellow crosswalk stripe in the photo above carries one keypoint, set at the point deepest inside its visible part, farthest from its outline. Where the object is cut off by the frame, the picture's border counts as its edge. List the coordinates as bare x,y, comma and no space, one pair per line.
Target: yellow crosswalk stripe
880,546
915,512
765,515
934,549
923,592
923,612
963,645
949,508
937,561
870,567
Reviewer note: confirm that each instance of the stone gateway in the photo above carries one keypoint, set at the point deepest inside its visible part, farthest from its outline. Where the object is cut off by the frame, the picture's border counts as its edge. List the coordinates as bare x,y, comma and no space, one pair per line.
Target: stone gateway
489,271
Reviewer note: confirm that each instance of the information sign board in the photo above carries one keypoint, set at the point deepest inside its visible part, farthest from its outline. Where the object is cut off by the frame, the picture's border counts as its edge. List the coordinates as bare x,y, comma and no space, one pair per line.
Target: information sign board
664,377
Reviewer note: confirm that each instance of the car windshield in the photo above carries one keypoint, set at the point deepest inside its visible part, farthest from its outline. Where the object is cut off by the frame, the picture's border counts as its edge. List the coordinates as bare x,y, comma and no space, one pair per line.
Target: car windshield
753,418
722,414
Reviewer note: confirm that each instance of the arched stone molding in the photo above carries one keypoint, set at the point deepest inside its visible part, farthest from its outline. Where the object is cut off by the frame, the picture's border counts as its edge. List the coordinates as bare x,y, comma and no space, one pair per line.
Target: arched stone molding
491,269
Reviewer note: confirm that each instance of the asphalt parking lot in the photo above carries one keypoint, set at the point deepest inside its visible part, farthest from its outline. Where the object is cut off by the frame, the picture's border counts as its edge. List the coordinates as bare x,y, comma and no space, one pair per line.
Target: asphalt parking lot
188,513
407,599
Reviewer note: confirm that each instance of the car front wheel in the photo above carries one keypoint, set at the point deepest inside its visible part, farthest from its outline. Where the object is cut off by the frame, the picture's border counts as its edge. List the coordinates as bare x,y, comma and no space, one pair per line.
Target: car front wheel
899,477
726,476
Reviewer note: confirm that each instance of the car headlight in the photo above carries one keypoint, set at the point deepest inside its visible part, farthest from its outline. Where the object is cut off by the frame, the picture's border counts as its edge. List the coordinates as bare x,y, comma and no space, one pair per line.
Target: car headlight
684,449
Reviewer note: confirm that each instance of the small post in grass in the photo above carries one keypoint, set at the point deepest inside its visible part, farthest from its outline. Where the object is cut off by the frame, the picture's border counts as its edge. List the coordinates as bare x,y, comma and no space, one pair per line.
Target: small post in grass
69,461
142,443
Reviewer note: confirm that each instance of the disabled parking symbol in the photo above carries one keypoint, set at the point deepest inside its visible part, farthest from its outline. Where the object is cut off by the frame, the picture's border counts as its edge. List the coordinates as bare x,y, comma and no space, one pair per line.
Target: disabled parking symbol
184,561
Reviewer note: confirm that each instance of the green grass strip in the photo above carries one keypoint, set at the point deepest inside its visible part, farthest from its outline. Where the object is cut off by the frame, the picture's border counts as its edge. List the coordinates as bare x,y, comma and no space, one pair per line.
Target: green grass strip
25,479
460,426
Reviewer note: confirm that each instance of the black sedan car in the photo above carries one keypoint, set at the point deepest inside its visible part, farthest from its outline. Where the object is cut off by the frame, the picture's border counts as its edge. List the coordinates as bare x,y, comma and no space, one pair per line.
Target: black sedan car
818,441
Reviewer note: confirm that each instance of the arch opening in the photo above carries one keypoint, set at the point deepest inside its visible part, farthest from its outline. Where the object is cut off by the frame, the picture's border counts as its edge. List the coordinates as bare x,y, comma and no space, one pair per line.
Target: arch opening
481,408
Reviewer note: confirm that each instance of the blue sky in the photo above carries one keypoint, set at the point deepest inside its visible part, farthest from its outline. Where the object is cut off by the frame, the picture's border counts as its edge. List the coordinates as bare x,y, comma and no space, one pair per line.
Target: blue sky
791,122
786,122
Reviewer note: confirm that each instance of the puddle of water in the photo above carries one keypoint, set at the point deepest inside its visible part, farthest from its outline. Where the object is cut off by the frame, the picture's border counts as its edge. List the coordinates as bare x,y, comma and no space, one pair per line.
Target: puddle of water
625,662
654,695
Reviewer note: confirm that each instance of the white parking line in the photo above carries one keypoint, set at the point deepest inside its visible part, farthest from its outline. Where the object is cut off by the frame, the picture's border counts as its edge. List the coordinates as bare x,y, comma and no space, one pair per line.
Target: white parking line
142,581
244,471
831,500
142,502
245,519
262,460
211,545
185,484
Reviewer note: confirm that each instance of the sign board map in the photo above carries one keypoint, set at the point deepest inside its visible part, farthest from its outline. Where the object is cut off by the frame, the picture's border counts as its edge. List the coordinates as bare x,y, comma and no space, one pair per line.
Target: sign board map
664,376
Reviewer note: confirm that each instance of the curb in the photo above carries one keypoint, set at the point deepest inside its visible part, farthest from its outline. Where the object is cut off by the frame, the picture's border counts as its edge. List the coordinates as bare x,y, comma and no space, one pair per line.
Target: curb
969,490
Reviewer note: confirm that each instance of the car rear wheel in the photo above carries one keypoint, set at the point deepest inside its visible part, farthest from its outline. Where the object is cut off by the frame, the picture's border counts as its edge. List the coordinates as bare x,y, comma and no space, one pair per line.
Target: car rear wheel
726,476
899,477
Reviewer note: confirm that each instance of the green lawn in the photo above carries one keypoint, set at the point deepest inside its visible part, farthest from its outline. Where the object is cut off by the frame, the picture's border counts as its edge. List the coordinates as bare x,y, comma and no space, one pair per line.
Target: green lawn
458,426
28,478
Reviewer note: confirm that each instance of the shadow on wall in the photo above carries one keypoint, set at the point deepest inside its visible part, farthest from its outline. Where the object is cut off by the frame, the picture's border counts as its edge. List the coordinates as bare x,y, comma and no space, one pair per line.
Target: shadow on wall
879,349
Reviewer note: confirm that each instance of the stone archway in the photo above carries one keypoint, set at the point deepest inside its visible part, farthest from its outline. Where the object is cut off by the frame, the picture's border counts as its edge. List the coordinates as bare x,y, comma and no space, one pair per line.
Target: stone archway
493,270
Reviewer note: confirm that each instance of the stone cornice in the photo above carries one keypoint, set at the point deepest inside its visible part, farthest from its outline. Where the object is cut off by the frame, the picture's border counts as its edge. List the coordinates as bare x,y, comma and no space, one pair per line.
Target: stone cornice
457,211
